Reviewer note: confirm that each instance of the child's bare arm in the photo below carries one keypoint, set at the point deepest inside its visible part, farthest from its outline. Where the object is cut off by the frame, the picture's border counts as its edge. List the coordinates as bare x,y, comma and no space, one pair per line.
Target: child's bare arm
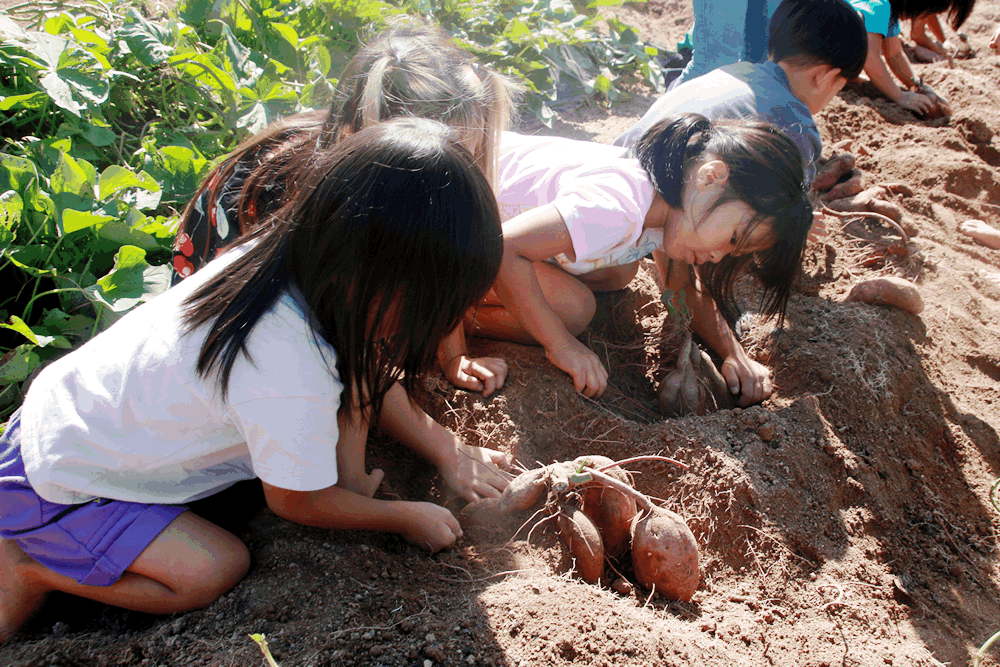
879,74
485,374
425,524
535,236
472,472
744,376
918,33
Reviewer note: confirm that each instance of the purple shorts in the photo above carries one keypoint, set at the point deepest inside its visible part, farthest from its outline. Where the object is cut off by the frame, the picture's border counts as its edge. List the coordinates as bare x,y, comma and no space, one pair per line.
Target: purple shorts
92,543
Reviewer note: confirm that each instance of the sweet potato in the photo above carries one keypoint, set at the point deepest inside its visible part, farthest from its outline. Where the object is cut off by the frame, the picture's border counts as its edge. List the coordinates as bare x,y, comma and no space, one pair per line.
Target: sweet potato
483,518
665,553
695,386
889,291
848,188
524,491
678,393
832,171
610,509
583,540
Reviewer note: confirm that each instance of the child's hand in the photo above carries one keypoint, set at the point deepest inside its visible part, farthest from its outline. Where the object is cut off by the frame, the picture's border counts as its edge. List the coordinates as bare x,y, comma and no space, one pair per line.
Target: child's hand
818,229
585,367
485,374
917,103
428,525
746,378
475,472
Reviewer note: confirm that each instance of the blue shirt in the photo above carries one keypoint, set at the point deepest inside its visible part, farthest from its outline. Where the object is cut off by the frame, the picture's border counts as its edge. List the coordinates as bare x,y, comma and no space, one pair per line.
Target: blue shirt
878,16
744,91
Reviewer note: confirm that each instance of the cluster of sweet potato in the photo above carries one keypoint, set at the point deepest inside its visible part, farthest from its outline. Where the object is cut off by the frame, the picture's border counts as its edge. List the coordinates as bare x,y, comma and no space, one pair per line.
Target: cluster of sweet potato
839,187
600,516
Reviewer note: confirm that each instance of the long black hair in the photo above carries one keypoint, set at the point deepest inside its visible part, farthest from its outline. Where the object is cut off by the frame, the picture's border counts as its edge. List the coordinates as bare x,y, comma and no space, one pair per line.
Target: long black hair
765,173
393,231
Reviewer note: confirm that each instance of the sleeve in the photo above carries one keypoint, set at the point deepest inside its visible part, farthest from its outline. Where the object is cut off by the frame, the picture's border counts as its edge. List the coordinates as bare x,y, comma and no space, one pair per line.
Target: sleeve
292,440
877,15
601,212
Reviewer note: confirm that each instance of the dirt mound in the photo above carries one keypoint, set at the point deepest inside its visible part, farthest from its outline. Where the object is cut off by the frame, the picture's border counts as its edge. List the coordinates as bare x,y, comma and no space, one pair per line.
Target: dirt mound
846,521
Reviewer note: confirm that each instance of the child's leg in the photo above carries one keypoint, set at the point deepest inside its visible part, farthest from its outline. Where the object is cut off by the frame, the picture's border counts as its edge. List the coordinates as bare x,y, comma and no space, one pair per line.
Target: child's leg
571,300
187,566
351,443
612,278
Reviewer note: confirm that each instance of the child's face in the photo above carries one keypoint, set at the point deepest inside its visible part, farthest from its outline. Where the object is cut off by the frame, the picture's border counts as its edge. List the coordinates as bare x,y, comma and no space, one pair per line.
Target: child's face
702,232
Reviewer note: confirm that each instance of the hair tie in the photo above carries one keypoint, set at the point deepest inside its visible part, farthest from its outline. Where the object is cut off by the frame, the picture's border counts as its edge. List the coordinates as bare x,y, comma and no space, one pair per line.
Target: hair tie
394,58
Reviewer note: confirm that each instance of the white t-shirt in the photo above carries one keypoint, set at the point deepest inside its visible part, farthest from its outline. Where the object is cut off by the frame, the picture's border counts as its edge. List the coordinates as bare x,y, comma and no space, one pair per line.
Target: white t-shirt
127,416
601,195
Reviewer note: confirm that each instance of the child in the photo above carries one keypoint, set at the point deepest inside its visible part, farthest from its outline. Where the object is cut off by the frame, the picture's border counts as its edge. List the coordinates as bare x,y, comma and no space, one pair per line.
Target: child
725,32
882,22
719,198
814,47
272,362
412,69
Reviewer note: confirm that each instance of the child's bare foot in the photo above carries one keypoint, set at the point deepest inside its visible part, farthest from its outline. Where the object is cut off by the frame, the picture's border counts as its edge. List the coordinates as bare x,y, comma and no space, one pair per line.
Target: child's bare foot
20,595
981,232
364,484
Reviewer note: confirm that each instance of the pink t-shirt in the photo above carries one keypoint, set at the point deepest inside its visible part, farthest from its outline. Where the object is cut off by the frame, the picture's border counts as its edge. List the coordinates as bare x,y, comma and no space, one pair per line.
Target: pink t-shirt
601,195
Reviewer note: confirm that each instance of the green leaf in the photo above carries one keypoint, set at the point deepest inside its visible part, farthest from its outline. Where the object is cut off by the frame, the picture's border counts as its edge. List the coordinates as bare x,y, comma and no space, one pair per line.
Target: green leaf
121,233
130,282
114,179
18,325
72,177
73,220
98,135
11,207
35,100
256,119
146,40
17,365
201,68
74,77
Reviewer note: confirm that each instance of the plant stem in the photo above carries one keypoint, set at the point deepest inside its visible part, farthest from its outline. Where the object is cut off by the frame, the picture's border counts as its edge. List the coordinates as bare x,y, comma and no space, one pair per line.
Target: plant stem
640,498
644,458
981,653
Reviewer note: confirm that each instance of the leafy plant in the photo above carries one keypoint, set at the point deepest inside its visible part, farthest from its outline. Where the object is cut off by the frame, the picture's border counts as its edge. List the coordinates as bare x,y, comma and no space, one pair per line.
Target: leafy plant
112,118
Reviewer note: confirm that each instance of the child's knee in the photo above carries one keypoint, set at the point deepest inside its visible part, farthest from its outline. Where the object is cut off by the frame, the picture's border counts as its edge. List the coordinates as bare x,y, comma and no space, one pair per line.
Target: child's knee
229,569
582,312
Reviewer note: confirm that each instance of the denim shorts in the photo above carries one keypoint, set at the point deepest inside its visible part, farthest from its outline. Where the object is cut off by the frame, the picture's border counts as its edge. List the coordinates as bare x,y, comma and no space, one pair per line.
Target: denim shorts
92,543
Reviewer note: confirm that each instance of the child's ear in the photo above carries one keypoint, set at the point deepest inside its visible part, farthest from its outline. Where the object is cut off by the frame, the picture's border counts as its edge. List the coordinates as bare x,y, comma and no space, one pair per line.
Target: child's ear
825,77
712,172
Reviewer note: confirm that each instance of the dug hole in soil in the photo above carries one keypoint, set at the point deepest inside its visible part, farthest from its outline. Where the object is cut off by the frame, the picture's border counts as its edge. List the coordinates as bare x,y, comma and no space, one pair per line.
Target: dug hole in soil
845,521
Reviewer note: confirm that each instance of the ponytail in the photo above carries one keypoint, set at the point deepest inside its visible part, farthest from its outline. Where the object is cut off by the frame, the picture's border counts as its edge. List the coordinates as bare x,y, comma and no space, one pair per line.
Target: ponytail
666,150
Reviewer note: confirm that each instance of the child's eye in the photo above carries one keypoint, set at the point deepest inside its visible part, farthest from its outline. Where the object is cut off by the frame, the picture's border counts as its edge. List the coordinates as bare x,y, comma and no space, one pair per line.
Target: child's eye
735,238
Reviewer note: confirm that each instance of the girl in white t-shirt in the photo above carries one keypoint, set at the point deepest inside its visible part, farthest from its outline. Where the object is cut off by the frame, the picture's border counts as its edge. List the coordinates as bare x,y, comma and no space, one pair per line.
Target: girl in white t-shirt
272,362
709,200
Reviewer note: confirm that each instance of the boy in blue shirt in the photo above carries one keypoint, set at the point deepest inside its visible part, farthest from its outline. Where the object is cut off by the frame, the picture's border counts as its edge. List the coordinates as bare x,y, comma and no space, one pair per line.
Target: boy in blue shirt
814,48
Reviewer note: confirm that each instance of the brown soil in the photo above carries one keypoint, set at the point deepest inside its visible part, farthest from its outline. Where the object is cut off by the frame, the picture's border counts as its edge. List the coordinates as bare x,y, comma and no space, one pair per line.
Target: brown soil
845,521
